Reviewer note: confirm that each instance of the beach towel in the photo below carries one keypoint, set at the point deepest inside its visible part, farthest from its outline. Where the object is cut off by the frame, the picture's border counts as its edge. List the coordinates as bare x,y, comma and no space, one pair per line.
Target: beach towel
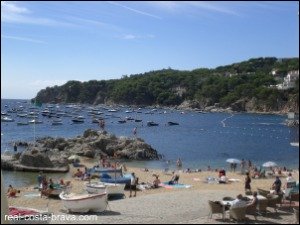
32,195
171,186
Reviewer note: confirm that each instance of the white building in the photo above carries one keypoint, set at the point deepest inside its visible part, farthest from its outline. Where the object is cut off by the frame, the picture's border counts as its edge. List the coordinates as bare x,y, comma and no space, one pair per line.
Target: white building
289,81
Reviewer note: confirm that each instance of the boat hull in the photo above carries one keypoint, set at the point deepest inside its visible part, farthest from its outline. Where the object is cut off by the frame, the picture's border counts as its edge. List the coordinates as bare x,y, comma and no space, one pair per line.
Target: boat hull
84,203
111,189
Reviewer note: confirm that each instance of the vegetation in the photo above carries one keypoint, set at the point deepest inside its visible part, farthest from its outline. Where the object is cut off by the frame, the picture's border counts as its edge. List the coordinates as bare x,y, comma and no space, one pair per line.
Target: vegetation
248,80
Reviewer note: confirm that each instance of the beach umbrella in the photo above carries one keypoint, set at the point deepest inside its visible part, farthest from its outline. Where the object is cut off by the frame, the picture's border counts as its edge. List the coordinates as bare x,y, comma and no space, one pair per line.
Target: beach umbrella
233,161
73,157
269,164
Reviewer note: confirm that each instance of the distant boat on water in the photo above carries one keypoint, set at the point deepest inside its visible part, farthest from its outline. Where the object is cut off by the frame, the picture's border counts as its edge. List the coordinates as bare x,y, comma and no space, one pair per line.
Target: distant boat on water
172,123
295,144
151,123
7,119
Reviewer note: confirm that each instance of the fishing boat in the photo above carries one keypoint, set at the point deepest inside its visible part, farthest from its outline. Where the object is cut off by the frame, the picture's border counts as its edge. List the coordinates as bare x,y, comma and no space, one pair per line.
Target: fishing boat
22,215
105,178
100,187
85,202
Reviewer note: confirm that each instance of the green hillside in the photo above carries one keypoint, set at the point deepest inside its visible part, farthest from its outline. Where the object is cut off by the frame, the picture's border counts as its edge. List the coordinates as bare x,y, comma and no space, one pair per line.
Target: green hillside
229,85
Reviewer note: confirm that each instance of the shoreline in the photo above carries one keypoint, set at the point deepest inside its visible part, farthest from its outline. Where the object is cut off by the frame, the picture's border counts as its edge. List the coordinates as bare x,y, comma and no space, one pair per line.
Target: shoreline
161,205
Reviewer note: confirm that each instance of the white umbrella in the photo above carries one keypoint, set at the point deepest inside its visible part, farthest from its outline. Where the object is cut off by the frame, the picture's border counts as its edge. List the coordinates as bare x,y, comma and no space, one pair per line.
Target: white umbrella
233,161
269,164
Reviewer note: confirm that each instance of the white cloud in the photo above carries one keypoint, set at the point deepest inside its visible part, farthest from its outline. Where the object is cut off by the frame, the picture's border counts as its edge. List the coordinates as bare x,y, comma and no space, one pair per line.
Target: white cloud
135,10
10,7
187,6
132,36
11,13
23,39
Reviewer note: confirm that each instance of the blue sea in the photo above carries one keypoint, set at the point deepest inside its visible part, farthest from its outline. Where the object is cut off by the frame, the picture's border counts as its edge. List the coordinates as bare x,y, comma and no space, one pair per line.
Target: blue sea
199,139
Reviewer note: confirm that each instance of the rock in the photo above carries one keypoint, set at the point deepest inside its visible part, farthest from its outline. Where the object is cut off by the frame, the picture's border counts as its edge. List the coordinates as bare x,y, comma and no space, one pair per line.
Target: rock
35,159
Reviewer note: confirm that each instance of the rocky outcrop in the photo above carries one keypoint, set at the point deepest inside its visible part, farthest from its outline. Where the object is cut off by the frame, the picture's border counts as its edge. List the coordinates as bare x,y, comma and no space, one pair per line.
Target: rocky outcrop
35,159
51,153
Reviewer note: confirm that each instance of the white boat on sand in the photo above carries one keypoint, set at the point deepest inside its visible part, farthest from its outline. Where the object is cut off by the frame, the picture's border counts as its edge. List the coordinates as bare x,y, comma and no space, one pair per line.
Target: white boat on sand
85,202
100,187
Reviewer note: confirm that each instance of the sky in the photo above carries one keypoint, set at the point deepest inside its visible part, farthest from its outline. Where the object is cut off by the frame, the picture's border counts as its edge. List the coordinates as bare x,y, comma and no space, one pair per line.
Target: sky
49,43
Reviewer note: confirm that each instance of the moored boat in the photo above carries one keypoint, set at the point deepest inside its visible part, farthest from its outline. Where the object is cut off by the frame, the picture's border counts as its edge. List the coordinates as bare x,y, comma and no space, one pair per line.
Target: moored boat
151,123
172,123
6,119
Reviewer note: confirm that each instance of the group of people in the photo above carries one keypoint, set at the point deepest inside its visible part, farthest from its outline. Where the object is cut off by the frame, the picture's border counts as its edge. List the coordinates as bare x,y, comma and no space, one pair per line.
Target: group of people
47,186
240,201
82,175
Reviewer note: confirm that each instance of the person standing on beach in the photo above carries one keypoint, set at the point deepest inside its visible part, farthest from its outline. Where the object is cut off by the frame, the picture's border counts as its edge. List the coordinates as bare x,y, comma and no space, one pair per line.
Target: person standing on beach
179,163
133,183
247,182
243,164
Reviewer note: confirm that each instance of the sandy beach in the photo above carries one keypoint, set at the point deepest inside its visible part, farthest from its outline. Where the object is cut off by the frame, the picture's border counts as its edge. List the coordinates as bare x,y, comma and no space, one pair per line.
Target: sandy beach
183,205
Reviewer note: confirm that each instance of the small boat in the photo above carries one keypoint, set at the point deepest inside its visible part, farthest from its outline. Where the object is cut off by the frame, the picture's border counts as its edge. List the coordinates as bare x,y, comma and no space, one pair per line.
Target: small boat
138,121
78,119
151,123
6,119
295,144
35,121
22,123
106,170
22,114
112,110
58,189
118,180
57,122
100,187
121,121
84,203
128,111
22,215
129,118
172,123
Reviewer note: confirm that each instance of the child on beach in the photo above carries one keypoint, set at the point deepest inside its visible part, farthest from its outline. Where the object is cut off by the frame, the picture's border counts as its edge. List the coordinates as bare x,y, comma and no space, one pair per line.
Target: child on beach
11,192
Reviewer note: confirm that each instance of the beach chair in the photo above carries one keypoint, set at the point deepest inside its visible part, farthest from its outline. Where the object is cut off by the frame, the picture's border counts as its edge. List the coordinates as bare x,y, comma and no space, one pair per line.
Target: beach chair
296,213
215,208
293,197
273,201
252,210
238,214
262,206
263,192
228,199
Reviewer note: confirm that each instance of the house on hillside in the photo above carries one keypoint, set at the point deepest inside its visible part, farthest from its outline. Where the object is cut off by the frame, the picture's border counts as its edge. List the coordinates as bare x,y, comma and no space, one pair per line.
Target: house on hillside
289,81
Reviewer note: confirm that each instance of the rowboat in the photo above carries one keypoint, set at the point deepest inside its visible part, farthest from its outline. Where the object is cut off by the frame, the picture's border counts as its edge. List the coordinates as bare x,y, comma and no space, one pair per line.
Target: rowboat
100,187
85,202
